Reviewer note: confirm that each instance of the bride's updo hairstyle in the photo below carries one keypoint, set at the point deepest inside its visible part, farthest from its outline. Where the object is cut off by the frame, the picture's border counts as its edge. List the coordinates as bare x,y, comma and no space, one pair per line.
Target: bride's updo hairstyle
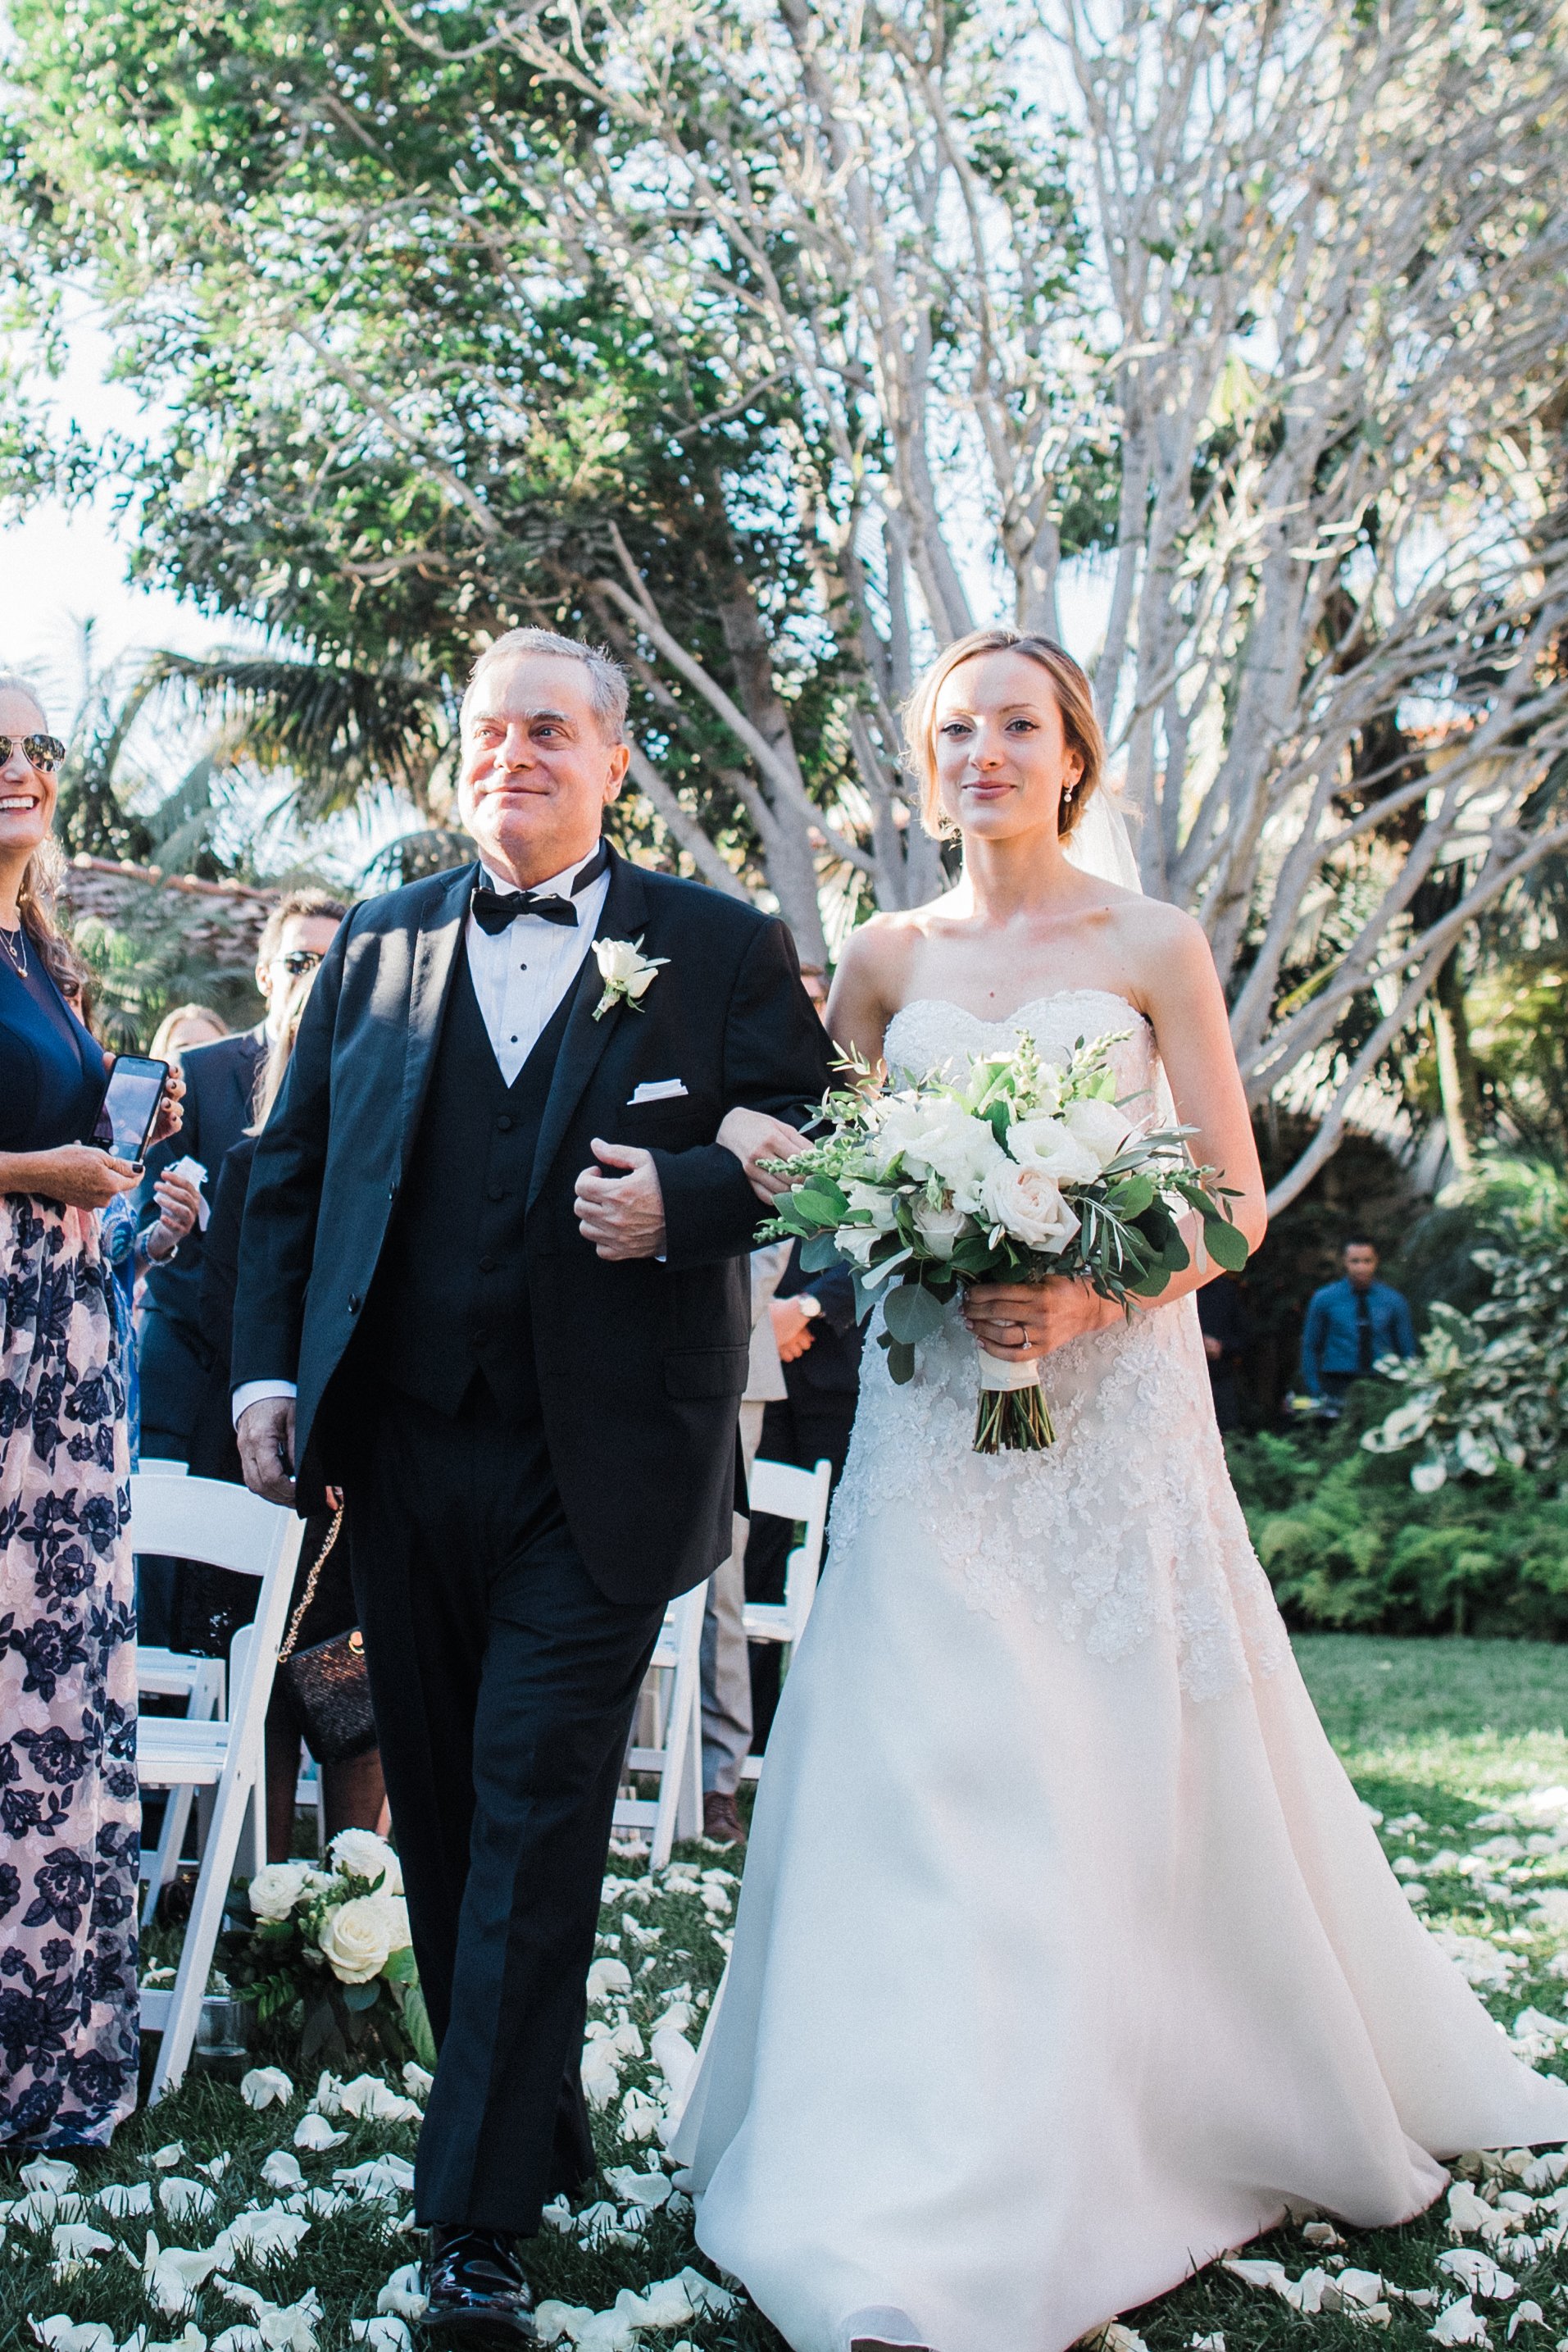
1075,700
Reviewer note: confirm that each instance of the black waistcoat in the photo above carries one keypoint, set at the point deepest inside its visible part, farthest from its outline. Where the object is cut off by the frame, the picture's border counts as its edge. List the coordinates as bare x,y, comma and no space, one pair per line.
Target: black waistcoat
450,1297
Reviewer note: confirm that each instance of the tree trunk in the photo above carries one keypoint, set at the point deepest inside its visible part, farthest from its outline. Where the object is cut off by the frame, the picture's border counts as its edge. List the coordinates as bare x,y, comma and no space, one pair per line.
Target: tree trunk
1459,1082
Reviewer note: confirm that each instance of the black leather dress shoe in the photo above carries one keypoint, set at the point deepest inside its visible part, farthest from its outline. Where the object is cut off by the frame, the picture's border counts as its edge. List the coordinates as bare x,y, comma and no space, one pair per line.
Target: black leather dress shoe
479,2297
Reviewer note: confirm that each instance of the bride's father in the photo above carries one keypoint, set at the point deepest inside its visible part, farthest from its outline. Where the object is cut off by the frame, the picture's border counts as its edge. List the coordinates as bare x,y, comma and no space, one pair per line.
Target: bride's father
493,1284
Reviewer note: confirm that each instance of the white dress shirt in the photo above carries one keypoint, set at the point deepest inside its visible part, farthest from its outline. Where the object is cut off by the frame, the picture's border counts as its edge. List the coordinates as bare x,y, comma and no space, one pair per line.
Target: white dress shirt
519,977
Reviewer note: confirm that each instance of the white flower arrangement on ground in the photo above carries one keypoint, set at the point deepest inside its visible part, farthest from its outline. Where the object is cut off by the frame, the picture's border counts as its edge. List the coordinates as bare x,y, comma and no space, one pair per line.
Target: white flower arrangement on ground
1021,1170
333,1945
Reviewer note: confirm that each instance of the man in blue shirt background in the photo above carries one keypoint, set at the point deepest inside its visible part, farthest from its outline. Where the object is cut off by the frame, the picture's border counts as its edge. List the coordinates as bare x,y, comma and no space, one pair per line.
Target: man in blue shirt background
1351,1323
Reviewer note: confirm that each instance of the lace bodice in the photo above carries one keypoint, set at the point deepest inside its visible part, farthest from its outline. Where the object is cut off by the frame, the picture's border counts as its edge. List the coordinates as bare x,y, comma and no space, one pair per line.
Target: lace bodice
1129,1523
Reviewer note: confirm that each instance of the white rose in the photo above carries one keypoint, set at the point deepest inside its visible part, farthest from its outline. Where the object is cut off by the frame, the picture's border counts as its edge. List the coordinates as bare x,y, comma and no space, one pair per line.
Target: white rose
623,967
873,1200
275,1891
363,1854
355,1937
1050,1146
1027,1204
939,1228
1101,1126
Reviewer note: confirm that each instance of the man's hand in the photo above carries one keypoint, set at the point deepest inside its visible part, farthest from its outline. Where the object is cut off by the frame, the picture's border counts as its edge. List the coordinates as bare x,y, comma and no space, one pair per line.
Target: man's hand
791,1328
623,1216
265,1440
754,1136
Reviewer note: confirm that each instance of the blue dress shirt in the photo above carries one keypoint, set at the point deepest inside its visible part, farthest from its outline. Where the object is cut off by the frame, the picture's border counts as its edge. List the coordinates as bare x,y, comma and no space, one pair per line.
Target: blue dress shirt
1338,1316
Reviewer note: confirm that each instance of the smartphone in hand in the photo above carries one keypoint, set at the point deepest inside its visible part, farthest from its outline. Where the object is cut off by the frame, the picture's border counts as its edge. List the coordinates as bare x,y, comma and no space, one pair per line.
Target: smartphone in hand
130,1106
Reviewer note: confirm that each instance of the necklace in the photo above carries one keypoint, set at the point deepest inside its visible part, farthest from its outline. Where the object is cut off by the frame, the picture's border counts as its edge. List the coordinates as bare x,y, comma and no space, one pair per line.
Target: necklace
13,943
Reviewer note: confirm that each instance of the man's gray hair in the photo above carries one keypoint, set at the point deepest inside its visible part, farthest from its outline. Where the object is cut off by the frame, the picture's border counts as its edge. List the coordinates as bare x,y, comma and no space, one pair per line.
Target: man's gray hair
608,691
11,684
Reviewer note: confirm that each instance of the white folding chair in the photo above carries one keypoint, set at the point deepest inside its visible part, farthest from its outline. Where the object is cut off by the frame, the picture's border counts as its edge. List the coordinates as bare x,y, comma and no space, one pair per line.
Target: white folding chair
225,1527
779,1490
175,1674
671,1696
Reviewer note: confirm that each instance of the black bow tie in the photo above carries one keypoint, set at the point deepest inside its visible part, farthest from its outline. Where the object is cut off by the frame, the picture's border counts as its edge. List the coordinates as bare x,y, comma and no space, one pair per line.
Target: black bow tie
493,912
494,909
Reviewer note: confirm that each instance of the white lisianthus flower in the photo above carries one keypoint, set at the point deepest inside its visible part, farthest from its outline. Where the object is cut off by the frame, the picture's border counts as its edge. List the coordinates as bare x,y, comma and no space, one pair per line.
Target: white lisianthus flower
962,1157
275,1891
939,1228
1101,1127
856,1243
363,1854
1051,1146
355,1937
914,1126
873,1200
1027,1204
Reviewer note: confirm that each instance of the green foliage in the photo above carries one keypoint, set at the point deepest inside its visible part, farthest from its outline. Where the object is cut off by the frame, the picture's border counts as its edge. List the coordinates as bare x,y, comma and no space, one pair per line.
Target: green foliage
1347,1545
160,953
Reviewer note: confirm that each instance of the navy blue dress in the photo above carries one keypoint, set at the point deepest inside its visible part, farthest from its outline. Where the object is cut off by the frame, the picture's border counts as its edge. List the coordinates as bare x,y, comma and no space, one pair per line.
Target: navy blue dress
69,1822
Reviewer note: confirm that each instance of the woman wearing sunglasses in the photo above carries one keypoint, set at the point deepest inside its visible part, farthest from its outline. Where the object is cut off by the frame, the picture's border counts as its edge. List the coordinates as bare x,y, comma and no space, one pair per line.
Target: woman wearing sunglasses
69,1812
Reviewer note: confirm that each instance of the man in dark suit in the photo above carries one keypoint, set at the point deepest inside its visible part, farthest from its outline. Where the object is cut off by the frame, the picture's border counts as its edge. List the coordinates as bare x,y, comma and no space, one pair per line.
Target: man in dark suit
220,1084
523,1367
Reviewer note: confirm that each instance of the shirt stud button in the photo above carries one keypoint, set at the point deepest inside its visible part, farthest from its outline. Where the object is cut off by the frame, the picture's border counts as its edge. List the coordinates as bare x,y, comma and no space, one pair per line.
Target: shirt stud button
486,1265
504,1122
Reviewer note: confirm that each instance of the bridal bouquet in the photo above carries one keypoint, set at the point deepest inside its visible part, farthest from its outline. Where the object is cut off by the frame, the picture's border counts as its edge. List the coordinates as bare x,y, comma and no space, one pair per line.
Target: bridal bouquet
1024,1170
331,1955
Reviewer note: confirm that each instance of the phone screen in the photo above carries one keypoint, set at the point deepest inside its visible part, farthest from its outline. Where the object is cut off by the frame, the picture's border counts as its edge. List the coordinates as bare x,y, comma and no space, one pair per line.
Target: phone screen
130,1106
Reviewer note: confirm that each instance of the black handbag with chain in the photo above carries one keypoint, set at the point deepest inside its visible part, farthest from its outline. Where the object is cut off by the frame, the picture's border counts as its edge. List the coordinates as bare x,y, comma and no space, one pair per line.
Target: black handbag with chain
328,1684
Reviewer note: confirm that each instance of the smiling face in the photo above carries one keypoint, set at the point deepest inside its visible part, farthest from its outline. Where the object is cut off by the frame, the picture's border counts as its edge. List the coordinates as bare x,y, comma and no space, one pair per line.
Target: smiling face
1002,756
26,793
538,769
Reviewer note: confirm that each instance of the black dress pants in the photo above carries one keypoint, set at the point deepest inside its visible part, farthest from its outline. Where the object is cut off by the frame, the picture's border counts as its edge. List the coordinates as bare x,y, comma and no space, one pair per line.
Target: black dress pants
504,1684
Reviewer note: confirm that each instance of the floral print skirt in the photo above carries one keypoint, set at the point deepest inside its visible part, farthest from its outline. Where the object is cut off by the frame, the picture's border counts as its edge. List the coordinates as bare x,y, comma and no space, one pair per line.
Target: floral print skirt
69,1836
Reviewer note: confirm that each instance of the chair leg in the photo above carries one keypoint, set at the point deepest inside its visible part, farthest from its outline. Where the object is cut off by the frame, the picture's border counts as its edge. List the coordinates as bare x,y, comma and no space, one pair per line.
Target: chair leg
202,1933
171,1845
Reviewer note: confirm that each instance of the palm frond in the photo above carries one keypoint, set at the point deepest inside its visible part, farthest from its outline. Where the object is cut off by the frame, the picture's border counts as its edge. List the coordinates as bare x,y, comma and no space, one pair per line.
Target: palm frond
339,731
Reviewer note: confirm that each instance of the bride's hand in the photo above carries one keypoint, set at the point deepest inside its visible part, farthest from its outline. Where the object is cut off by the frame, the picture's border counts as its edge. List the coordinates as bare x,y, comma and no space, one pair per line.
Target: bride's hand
1022,1319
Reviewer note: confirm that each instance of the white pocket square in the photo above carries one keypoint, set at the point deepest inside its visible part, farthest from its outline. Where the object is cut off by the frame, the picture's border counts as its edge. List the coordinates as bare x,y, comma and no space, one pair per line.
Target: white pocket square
657,1090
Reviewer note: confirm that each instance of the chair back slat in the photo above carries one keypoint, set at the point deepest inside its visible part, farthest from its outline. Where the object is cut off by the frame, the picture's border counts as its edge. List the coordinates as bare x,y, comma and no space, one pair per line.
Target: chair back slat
207,1519
782,1492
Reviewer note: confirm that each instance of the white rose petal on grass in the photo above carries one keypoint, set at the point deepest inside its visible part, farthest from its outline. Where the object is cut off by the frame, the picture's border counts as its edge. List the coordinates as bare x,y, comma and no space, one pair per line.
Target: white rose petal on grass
1478,2274
264,2234
77,2245
403,2296
381,2178
370,2100
605,1978
123,2199
1529,2315
48,2172
189,2339
1468,2212
363,1854
649,2189
284,2328
601,2073
314,2135
281,2170
244,2337
1114,2337
1028,1205
265,2087
60,2333
171,2275
640,2116
164,2160
185,2200
385,2333
416,2081
1461,2324
675,2058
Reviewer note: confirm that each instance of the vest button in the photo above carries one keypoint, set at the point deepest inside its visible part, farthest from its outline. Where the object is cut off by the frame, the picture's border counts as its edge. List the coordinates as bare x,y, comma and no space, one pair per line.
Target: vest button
481,1339
497,1191
504,1122
486,1265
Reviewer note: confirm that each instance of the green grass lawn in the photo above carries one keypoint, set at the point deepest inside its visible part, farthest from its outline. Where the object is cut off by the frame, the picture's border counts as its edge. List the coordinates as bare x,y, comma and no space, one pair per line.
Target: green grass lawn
1446,1730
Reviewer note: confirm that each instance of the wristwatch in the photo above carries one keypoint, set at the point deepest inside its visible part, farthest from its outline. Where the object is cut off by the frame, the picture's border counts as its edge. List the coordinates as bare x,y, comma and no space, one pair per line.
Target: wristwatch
809,1305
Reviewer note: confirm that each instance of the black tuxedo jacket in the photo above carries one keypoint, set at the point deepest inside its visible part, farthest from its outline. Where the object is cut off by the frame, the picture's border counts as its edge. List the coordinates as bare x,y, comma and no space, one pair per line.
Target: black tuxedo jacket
220,1085
640,1366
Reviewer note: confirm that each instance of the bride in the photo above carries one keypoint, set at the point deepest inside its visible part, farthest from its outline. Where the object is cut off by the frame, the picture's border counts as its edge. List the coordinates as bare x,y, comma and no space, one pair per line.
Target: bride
1066,1957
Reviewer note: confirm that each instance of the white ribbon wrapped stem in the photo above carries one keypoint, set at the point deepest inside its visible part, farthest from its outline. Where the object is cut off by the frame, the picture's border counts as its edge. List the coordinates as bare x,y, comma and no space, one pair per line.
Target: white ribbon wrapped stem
1005,1372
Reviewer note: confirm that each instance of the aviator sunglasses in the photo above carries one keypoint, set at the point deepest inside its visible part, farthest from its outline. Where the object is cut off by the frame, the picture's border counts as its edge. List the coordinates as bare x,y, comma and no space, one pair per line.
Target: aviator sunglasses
44,752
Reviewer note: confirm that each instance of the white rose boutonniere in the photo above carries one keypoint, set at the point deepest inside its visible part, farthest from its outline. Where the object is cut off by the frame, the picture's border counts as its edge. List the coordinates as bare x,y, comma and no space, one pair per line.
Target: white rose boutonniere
628,975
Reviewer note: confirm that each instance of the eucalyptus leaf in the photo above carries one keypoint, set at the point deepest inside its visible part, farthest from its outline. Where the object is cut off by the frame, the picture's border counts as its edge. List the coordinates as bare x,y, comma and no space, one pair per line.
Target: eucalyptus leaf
816,1205
360,1996
818,1253
912,1313
899,1363
1226,1244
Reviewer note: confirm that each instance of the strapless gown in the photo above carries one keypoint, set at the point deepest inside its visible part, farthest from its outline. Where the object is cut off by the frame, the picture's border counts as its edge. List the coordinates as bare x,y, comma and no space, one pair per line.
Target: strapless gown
1066,1957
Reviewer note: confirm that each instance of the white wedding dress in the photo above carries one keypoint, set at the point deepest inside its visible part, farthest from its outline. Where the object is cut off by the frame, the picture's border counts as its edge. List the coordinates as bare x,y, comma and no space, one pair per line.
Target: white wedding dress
1065,1956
